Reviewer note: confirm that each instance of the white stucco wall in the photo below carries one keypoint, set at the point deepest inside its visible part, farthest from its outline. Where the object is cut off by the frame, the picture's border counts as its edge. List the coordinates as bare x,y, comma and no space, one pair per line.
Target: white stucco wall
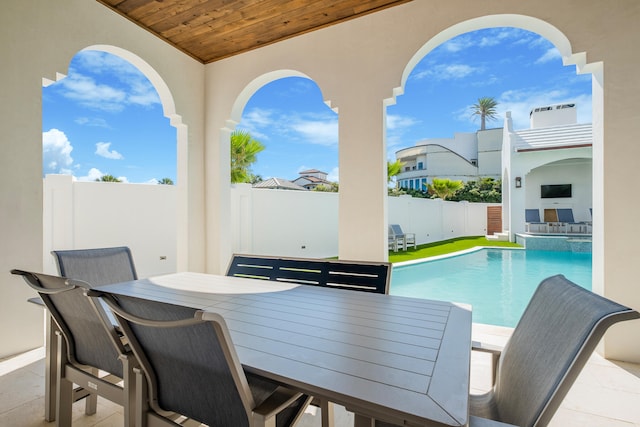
359,66
37,41
80,215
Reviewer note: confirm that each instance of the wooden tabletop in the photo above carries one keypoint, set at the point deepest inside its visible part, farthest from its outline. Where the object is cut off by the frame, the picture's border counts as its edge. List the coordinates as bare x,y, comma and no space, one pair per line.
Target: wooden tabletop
387,357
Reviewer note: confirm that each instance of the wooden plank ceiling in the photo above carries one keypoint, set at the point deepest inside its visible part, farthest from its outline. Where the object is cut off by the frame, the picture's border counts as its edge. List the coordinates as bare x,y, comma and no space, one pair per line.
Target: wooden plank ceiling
210,30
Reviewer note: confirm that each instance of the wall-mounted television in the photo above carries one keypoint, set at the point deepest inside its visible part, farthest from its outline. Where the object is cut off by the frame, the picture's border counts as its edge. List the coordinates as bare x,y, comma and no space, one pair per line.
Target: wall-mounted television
555,191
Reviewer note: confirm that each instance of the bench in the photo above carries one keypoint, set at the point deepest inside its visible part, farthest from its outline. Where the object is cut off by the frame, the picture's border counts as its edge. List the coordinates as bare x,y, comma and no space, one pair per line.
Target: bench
351,275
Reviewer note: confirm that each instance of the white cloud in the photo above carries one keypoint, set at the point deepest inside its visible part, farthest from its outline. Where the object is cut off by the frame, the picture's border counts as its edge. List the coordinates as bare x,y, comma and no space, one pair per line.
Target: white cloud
142,92
320,129
56,152
92,121
334,175
87,92
521,102
549,55
397,123
320,132
122,85
95,174
92,175
102,150
448,72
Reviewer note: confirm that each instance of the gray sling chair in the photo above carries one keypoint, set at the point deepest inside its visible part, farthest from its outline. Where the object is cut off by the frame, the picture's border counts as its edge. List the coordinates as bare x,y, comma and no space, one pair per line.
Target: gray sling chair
101,266
553,340
190,368
97,266
86,347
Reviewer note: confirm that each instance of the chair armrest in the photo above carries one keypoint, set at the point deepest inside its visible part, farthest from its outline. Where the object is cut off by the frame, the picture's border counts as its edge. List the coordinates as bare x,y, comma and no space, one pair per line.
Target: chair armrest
495,352
486,348
280,399
484,422
37,301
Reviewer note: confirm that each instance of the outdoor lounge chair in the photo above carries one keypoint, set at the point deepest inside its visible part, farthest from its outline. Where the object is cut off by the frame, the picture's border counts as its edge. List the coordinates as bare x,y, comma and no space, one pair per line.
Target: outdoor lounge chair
553,340
84,347
532,217
408,239
191,369
565,216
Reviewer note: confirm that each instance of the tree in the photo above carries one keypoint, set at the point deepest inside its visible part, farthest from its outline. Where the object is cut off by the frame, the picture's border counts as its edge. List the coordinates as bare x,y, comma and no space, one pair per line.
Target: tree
166,181
484,190
393,169
244,152
108,178
332,187
444,188
486,109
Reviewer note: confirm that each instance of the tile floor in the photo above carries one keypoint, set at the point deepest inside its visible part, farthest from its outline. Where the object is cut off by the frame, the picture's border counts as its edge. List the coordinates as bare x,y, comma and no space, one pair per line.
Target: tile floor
606,394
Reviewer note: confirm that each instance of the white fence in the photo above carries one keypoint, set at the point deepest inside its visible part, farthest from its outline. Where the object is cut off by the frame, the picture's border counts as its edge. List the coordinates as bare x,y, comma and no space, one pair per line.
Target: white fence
288,223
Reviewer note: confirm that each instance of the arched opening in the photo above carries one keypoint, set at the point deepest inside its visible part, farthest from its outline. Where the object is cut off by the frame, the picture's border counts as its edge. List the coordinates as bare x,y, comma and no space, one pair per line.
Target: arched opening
554,48
286,113
108,118
571,162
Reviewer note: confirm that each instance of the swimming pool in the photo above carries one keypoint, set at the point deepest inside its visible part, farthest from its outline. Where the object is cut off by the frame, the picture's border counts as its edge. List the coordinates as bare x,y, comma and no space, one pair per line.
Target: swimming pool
498,283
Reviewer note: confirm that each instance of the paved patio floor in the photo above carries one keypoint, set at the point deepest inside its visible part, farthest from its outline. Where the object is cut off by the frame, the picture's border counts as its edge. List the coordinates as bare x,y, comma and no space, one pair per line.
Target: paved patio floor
606,394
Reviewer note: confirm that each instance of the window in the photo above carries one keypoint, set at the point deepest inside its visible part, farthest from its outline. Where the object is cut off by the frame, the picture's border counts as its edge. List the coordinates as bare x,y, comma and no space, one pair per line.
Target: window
420,166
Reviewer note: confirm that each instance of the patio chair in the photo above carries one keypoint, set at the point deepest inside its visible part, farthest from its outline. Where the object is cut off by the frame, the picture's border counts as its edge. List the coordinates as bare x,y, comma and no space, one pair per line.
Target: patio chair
84,348
553,340
551,218
532,217
409,239
565,216
97,266
394,242
364,276
191,369
101,266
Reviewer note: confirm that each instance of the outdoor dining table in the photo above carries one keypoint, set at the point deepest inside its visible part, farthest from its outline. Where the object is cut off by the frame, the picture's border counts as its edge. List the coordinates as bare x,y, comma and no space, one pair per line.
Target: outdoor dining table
399,359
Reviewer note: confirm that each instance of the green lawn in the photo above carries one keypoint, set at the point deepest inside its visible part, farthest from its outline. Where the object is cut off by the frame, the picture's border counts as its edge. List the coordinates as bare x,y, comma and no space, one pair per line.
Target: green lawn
445,247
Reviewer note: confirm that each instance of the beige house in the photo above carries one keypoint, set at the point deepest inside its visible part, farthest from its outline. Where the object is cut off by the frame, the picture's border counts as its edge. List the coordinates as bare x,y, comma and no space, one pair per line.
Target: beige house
361,65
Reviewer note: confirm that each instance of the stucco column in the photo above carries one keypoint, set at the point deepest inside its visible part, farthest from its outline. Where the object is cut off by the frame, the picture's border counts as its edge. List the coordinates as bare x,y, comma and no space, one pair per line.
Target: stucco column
362,207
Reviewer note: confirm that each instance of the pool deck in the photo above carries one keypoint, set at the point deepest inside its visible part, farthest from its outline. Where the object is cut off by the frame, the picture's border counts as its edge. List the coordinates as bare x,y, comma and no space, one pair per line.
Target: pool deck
606,394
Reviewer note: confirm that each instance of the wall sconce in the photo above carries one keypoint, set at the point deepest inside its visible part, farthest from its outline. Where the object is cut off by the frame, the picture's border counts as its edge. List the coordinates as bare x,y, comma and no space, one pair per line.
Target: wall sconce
518,182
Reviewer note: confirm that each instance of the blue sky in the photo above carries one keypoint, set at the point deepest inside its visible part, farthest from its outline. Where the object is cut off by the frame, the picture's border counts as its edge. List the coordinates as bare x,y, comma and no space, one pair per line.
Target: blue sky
106,117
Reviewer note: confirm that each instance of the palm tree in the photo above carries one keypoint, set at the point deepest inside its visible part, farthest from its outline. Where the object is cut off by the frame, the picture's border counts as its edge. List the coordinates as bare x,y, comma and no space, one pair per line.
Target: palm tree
486,109
444,188
244,151
393,169
166,181
108,178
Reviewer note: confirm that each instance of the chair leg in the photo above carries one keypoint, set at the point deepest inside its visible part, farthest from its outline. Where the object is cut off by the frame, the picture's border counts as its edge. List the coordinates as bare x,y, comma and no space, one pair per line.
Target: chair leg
326,409
141,404
91,401
51,369
362,421
129,388
64,388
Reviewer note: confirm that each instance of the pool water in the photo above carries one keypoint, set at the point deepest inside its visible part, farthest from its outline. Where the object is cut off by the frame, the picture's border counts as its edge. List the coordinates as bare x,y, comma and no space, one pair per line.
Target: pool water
498,283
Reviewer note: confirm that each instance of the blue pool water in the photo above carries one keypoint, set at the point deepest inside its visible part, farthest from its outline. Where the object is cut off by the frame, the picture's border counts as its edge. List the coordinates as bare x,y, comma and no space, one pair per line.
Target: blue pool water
498,283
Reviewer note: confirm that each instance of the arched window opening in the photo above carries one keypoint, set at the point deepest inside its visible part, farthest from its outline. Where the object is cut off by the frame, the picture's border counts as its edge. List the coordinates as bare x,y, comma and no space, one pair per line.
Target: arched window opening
432,128
104,121
298,133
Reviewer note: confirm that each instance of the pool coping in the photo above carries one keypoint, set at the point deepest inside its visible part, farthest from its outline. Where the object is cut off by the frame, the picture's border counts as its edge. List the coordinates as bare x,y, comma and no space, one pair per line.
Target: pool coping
454,254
